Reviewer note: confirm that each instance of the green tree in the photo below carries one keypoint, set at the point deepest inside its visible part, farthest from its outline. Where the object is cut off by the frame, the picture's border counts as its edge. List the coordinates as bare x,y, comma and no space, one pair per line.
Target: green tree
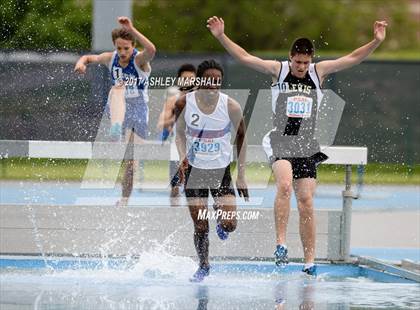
181,25
273,24
45,24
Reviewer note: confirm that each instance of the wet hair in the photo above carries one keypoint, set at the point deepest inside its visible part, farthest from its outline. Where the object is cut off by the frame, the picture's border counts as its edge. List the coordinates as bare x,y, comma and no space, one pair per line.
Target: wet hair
123,34
186,68
302,46
208,64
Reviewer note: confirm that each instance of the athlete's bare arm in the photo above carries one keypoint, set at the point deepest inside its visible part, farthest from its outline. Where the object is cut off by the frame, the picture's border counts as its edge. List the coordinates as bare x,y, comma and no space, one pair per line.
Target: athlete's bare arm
104,59
217,27
357,56
180,138
143,58
236,116
167,117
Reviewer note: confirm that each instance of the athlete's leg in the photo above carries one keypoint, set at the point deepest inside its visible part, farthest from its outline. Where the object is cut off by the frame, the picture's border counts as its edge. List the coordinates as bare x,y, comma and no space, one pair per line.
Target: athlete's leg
227,218
117,107
175,183
283,175
137,139
138,119
196,192
196,206
225,203
130,167
305,191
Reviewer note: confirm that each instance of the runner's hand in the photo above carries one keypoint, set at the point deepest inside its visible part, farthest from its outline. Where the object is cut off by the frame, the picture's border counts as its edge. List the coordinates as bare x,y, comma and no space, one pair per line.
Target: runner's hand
126,23
379,30
242,188
80,68
183,166
216,26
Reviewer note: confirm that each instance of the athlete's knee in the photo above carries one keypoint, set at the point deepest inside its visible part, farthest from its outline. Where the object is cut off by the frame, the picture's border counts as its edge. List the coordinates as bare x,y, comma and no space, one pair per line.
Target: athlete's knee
284,189
305,200
228,225
306,209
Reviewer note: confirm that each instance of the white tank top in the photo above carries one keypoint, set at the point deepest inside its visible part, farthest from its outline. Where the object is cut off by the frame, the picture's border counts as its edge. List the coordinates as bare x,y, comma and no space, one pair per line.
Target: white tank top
208,135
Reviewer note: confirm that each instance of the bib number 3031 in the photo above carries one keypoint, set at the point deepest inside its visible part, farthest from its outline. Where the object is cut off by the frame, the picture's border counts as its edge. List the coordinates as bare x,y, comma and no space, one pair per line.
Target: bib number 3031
299,106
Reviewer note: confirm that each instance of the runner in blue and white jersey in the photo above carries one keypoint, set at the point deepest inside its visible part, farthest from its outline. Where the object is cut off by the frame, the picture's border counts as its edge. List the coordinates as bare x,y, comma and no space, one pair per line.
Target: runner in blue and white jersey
128,98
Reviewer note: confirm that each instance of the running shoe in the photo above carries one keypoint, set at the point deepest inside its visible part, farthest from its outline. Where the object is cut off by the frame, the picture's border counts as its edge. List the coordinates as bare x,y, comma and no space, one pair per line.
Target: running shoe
310,270
280,254
200,274
115,132
123,202
222,234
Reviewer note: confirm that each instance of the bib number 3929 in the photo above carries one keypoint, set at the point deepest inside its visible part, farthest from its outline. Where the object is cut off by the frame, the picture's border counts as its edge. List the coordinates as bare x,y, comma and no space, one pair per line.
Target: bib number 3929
206,148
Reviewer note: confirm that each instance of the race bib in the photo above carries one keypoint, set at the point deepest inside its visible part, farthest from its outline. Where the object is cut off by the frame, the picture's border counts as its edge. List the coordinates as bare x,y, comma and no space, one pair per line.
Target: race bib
205,148
131,89
299,106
